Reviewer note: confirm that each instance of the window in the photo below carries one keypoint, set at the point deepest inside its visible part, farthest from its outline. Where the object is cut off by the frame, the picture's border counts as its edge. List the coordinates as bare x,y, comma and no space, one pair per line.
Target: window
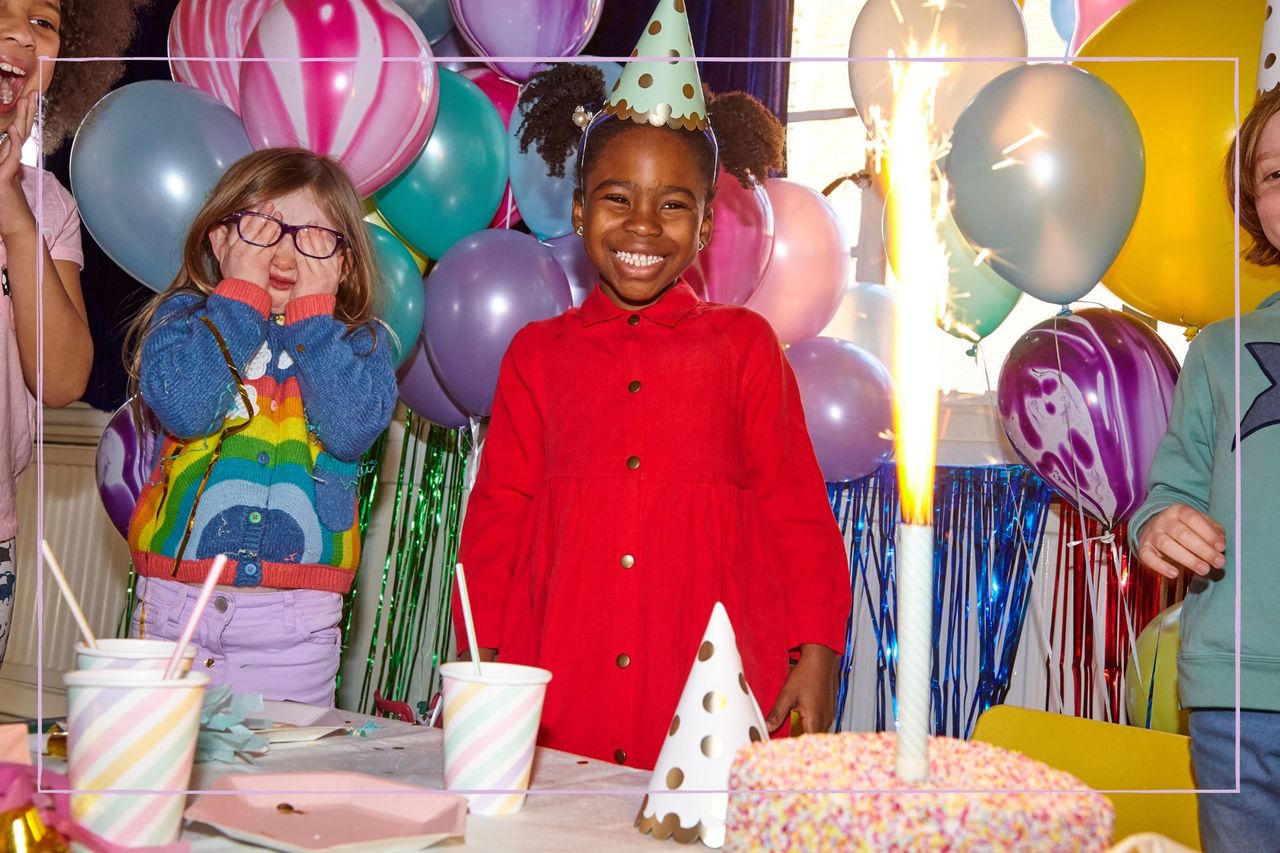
825,139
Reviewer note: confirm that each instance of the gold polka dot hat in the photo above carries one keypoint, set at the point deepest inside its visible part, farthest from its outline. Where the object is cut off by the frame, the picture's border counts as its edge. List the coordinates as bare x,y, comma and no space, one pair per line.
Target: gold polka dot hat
717,713
663,88
665,92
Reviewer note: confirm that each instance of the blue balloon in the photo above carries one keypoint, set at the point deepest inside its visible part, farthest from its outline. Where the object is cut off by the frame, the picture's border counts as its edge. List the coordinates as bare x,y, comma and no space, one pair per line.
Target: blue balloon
1063,13
142,163
403,297
431,16
545,202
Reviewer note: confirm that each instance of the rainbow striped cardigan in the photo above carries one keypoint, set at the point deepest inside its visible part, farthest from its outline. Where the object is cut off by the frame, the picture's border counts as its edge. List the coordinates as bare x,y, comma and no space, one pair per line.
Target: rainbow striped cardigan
273,488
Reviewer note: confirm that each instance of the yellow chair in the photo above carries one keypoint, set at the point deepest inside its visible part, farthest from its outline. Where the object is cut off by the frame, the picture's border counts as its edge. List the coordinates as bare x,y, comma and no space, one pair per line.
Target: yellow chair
1108,757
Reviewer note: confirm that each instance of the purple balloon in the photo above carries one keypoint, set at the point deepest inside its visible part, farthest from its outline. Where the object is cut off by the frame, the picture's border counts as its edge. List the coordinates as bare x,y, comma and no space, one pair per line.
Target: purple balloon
525,28
422,392
484,289
125,459
1084,399
571,254
847,396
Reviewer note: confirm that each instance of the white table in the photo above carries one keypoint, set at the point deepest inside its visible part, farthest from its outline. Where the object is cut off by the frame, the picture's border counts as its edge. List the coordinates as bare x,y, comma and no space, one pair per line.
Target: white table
597,815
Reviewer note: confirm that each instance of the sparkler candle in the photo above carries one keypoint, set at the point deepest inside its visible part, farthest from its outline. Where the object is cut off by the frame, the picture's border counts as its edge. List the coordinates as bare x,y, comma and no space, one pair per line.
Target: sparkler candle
919,271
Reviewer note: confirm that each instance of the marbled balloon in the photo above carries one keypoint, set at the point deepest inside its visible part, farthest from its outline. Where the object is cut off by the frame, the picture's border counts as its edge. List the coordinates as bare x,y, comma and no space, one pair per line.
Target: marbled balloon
125,459
1084,399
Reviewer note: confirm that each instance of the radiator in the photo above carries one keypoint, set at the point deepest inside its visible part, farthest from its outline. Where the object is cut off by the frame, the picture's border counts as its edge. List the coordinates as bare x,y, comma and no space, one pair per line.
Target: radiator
93,555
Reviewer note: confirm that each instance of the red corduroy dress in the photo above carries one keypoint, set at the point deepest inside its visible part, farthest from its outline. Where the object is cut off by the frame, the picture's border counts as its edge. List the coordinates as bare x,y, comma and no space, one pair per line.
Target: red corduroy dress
638,468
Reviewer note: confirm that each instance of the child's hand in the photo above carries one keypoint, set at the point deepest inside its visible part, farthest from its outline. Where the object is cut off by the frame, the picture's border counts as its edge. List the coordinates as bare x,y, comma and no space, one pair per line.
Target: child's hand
1181,537
810,688
316,276
239,258
15,212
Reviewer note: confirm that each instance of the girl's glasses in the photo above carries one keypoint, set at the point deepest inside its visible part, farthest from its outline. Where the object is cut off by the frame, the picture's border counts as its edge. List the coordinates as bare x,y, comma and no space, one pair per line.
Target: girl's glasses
322,242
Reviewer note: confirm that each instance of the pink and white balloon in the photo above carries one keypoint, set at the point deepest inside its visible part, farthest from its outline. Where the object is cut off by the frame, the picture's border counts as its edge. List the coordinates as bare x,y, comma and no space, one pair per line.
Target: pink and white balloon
373,116
805,280
204,29
1084,399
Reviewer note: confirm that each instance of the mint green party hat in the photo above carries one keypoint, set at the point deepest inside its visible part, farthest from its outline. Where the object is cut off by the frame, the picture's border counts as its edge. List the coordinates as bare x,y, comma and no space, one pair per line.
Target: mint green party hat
662,93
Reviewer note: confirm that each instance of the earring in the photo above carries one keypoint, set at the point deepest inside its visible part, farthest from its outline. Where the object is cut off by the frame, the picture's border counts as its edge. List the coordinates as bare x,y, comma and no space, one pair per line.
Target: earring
701,245
579,230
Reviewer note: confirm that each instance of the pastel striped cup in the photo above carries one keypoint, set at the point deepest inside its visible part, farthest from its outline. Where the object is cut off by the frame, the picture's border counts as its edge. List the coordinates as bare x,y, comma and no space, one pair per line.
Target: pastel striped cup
131,654
128,730
490,732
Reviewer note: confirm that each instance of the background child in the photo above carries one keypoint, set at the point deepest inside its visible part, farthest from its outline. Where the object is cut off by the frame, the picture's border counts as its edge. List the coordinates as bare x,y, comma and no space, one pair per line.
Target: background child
1187,524
647,454
43,260
264,365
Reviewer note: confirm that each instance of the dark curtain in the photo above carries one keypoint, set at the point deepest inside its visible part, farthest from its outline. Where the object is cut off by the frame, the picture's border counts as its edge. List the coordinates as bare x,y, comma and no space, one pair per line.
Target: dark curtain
112,296
745,28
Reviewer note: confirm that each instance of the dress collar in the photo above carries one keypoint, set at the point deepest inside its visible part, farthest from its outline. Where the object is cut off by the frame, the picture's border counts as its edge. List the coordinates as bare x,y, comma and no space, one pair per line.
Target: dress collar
667,311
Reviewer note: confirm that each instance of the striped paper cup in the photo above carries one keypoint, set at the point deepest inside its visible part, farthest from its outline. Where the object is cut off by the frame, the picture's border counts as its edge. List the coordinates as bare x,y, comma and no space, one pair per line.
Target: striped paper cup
490,732
128,730
132,654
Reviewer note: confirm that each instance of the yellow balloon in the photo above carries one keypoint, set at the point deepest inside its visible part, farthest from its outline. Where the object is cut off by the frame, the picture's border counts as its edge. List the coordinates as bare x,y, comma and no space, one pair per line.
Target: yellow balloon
1153,677
1178,264
371,214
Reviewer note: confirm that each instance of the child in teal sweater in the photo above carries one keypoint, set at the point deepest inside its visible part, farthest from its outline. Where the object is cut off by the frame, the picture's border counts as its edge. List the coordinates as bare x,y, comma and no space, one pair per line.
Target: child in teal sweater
1188,523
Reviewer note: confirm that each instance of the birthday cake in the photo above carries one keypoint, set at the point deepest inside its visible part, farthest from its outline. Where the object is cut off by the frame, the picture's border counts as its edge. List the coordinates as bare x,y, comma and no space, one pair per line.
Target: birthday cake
977,797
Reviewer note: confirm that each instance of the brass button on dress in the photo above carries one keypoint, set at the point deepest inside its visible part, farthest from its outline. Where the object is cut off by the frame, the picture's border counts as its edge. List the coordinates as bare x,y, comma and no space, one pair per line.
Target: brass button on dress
623,661
633,462
633,386
627,561
633,320
620,756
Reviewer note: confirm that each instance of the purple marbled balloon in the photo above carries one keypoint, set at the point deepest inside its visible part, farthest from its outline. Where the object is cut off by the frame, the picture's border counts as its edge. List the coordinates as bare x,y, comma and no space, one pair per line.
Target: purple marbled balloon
125,458
1084,399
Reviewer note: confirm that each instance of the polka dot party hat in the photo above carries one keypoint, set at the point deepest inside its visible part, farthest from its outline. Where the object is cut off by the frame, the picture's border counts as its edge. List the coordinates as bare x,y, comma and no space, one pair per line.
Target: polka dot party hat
716,715
1268,65
667,92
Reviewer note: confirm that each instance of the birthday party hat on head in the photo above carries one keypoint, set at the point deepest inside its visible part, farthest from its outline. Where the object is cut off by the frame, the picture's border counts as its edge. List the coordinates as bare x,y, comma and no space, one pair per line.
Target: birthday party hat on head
662,93
1269,57
717,714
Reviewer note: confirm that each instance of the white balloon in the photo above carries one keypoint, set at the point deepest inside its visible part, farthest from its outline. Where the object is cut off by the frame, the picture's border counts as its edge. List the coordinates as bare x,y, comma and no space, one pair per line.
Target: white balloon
971,28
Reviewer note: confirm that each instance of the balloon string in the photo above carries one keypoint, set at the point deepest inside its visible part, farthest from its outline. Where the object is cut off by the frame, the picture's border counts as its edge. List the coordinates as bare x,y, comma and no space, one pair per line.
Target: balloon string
1075,485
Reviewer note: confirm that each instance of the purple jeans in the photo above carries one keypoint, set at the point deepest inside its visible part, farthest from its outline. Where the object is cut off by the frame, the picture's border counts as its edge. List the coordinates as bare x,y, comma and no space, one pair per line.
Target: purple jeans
282,644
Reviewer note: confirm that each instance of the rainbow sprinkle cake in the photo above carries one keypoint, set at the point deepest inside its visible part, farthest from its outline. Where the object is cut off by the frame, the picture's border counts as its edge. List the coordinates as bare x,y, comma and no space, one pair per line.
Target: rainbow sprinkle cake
978,797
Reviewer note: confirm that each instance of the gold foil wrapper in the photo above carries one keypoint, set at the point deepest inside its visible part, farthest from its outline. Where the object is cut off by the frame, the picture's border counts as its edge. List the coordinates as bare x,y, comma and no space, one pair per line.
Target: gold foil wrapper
22,831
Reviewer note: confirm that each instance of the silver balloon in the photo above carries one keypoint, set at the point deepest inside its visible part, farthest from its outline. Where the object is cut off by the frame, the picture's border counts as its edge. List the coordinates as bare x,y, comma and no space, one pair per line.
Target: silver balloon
972,28
1047,168
142,162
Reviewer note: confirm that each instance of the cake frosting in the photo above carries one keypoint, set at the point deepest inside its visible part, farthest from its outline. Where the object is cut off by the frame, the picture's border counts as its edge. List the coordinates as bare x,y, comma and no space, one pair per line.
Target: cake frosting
839,792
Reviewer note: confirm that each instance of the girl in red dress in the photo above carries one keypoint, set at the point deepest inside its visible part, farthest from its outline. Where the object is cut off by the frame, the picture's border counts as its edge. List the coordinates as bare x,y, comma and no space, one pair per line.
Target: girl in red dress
647,453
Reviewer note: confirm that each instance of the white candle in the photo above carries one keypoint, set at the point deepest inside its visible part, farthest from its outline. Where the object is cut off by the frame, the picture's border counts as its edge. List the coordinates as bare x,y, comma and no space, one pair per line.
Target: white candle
915,648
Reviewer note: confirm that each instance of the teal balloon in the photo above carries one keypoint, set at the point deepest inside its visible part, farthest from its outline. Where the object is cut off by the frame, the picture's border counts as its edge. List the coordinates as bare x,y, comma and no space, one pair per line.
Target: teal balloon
978,299
1047,170
545,202
403,296
454,187
431,16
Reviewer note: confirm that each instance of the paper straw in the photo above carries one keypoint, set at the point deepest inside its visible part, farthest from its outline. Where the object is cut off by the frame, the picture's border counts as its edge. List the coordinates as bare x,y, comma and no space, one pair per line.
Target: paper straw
206,592
466,617
68,595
